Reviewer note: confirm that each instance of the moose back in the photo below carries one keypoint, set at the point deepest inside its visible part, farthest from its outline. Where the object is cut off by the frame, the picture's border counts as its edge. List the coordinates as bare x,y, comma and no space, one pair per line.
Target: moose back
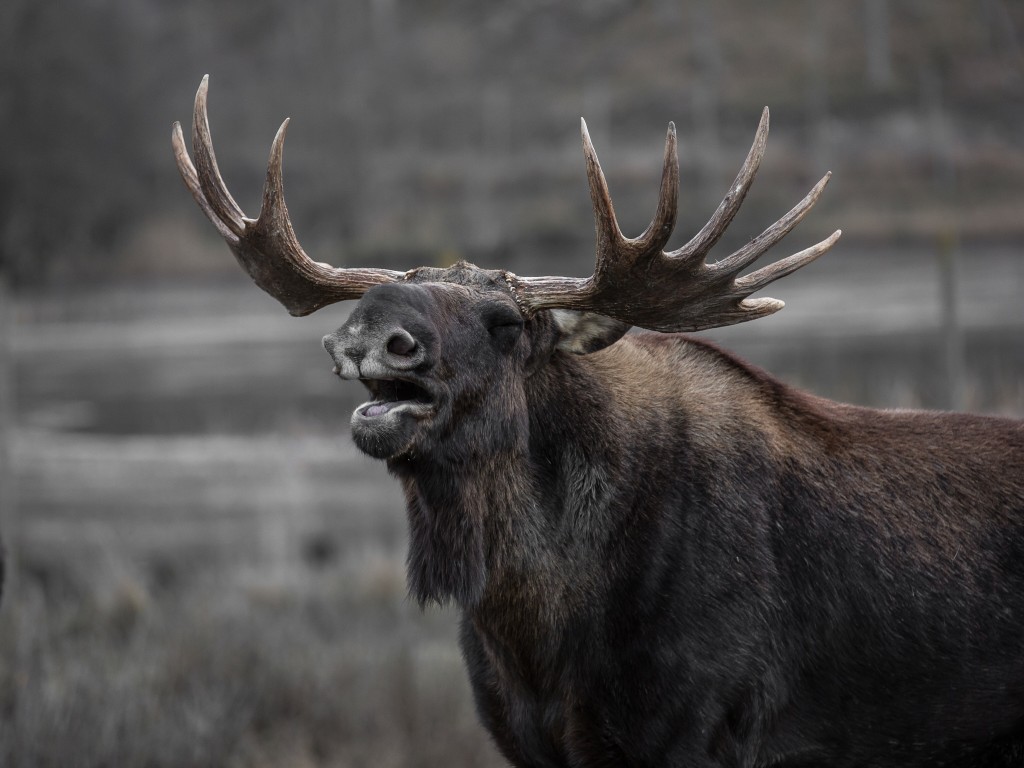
662,555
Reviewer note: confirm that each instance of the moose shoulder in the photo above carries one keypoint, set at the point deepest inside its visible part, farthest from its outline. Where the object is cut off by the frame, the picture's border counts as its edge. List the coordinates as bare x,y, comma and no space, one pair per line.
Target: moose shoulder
662,555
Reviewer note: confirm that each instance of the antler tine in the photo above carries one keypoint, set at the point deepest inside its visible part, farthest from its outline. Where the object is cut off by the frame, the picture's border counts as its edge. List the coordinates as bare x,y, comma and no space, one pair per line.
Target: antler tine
273,210
191,179
663,224
636,282
753,250
213,185
266,247
712,232
755,281
608,231
657,233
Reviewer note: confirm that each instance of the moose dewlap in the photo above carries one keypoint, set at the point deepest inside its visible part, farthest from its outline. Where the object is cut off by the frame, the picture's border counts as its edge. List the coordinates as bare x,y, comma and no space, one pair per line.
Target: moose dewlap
663,555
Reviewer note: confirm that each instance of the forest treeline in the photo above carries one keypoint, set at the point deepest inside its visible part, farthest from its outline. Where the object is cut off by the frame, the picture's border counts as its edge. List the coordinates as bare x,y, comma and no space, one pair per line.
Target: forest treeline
440,129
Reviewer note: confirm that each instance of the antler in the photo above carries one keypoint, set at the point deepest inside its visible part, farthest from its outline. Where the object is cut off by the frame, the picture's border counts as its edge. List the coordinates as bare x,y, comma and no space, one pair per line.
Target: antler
635,281
266,247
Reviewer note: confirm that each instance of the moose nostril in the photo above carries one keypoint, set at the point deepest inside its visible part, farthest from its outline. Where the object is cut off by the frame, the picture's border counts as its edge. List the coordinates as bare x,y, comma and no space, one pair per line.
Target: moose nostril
401,343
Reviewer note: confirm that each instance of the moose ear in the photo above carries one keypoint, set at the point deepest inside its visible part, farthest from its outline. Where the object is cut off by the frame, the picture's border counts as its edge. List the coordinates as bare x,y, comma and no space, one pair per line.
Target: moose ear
584,332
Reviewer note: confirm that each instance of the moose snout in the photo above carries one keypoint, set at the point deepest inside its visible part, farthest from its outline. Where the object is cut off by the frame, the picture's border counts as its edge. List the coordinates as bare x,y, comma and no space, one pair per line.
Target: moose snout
360,353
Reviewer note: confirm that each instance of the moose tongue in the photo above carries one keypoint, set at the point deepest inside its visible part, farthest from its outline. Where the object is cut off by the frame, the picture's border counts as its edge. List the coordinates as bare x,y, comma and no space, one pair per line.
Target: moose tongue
377,409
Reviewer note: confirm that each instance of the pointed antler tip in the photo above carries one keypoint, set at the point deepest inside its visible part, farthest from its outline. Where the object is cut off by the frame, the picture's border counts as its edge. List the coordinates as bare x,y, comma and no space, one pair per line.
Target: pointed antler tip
278,146
588,143
671,152
200,102
177,138
762,306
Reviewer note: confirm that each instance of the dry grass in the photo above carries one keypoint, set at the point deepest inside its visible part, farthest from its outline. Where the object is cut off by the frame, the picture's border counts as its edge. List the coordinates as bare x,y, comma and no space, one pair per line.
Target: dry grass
197,663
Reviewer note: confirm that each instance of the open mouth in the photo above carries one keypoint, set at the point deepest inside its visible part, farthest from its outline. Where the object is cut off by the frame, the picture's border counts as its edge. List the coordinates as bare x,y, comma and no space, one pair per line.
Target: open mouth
394,394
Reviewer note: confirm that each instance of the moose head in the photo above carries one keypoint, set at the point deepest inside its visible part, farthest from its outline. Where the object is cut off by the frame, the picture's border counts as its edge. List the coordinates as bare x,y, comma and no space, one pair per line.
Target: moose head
439,348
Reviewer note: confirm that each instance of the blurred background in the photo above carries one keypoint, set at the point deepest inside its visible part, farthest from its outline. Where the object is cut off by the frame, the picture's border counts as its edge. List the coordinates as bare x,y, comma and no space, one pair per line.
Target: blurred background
201,569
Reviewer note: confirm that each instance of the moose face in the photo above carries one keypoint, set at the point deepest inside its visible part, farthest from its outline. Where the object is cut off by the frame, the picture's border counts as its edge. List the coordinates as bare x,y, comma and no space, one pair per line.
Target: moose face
444,362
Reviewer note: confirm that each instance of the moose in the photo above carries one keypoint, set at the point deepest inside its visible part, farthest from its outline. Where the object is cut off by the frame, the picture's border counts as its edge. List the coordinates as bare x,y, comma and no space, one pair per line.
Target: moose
662,555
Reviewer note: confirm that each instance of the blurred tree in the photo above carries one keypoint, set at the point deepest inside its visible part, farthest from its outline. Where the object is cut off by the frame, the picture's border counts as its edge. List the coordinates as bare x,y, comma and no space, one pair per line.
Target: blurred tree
395,103
878,46
817,83
1003,35
70,186
707,89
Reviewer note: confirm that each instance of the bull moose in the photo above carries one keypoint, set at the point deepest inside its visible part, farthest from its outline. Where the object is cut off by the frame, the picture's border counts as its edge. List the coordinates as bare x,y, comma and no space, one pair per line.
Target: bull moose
663,555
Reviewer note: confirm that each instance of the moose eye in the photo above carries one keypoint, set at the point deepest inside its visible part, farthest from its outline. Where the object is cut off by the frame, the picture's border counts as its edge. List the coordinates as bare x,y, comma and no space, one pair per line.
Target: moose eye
502,321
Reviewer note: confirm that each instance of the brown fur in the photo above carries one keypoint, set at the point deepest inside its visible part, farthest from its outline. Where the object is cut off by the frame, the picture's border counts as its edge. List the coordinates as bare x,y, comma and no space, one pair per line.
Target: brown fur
663,555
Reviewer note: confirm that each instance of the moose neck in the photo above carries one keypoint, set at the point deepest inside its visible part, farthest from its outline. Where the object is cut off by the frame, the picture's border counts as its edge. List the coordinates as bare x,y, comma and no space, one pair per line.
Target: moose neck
490,517
447,508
